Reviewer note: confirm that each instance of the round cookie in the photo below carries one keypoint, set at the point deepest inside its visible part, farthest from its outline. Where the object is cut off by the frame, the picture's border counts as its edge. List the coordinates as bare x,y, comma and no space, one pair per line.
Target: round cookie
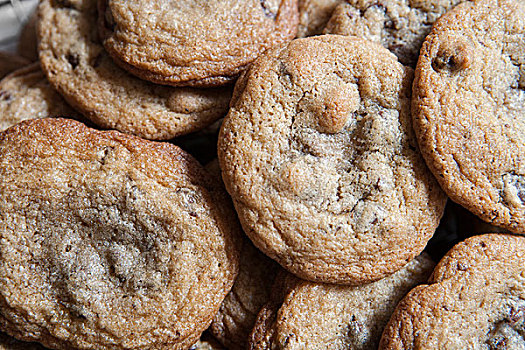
10,343
109,241
319,156
26,94
324,316
475,300
400,26
77,65
313,15
10,62
469,108
193,43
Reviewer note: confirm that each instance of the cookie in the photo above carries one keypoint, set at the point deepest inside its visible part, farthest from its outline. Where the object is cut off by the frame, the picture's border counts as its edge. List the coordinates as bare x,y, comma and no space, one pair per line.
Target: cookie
324,316
28,42
236,317
313,16
319,156
193,43
469,108
10,62
475,299
78,67
400,26
10,343
26,94
109,241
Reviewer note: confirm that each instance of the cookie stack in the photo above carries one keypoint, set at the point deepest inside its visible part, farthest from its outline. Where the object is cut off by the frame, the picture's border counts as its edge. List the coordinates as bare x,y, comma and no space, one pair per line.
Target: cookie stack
347,125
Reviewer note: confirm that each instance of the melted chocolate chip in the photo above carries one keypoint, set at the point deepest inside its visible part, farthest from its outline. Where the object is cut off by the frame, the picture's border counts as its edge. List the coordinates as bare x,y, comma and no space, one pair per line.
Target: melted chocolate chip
451,60
73,60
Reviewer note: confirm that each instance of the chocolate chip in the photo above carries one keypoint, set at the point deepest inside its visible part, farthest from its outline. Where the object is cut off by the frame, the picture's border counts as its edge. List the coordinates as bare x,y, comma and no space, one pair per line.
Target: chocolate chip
451,60
73,60
267,10
5,96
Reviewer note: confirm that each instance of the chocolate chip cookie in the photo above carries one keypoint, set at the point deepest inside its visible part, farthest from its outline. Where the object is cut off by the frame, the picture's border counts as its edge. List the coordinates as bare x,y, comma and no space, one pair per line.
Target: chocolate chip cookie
193,43
475,299
400,26
319,156
469,108
109,241
324,316
26,94
78,67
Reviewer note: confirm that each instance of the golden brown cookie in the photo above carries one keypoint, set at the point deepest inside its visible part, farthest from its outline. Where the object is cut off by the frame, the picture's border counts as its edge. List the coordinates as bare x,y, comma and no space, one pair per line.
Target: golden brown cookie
475,299
78,67
319,156
26,94
10,62
109,241
400,26
324,316
469,108
193,43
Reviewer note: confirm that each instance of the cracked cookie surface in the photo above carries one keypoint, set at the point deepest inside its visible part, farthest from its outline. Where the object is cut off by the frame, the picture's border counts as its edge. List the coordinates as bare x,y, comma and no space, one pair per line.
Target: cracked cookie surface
77,65
26,94
475,299
193,42
322,164
469,108
109,241
323,316
400,26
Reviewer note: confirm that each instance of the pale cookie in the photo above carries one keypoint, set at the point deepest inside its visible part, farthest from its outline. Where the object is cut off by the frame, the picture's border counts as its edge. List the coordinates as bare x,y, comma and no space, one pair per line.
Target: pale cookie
399,25
469,108
313,15
324,316
10,62
109,241
78,67
319,156
475,300
26,94
190,42
10,343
